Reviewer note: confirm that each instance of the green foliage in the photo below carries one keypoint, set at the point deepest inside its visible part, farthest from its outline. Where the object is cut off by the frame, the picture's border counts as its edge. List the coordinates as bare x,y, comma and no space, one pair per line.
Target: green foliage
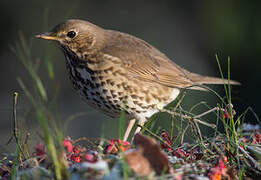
122,121
51,134
23,53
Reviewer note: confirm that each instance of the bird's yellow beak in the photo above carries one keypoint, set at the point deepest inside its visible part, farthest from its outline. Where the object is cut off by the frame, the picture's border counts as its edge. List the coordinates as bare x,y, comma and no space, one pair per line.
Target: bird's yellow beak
47,36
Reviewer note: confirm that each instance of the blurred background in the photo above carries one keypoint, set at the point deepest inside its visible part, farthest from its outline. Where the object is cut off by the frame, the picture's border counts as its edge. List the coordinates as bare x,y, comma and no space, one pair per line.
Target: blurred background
188,32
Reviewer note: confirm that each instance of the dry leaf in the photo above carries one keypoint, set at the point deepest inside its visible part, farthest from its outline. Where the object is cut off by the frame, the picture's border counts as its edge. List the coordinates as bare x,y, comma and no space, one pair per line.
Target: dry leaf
152,152
138,163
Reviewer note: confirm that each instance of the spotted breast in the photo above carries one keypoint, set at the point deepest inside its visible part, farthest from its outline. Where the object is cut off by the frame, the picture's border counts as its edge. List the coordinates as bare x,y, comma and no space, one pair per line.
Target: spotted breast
109,89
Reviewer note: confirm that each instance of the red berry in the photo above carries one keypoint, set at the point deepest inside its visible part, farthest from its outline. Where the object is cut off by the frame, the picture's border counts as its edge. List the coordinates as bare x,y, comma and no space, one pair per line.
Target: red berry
68,145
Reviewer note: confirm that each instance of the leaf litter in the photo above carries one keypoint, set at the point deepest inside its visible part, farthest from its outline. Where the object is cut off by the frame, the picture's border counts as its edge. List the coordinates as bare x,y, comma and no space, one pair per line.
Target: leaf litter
145,158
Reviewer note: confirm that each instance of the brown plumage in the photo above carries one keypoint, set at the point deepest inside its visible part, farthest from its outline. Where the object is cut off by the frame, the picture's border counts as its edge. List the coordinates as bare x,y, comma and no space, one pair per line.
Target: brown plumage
113,70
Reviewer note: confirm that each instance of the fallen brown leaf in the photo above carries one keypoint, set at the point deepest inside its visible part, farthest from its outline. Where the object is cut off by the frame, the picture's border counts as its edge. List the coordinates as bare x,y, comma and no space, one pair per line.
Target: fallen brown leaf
138,163
152,152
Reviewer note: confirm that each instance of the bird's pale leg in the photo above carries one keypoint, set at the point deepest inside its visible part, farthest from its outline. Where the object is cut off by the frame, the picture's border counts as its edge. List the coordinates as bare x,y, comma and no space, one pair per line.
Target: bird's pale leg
138,129
128,130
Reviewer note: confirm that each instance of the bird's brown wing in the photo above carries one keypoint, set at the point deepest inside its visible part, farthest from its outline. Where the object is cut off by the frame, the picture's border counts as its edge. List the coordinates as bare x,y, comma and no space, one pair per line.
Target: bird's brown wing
145,62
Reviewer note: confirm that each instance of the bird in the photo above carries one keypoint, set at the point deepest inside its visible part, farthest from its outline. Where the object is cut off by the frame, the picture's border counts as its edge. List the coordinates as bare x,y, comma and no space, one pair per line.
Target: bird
114,71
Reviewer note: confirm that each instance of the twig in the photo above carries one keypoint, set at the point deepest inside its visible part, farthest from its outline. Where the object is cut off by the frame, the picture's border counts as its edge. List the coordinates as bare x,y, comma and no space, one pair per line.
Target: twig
188,118
25,144
15,130
207,112
183,133
198,130
153,134
15,127
251,159
216,148
174,110
90,140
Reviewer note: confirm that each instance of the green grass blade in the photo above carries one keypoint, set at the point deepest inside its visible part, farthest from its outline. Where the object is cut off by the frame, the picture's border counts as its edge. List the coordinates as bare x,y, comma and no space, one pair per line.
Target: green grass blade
122,121
22,51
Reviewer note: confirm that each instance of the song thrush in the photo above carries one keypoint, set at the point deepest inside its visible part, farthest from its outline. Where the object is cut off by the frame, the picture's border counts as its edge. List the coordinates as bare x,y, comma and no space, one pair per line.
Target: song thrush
112,70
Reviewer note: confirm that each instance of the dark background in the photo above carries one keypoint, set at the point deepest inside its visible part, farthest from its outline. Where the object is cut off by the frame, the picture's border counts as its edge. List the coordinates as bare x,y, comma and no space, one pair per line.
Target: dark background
188,32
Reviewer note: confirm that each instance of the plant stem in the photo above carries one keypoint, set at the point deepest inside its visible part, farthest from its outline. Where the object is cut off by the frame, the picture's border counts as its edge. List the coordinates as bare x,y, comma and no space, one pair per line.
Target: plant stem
15,130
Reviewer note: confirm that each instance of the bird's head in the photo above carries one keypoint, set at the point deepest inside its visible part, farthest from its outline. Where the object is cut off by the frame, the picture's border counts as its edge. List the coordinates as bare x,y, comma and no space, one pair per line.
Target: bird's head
77,36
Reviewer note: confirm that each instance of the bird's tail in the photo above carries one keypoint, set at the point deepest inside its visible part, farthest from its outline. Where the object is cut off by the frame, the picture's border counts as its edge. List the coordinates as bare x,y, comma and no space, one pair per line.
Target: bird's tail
199,80
212,80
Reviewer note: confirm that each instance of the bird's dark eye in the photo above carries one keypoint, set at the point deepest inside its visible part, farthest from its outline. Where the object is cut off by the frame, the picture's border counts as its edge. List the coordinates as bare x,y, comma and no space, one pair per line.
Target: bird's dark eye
71,34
